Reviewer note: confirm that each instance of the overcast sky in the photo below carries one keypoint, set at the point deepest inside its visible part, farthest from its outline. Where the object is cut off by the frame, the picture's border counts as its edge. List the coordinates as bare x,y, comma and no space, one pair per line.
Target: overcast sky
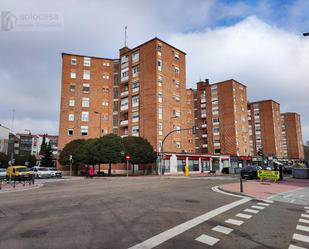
258,43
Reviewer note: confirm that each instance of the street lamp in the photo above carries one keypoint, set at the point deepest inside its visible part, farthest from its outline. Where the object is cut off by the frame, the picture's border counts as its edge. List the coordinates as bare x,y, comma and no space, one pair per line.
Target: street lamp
28,152
306,34
100,115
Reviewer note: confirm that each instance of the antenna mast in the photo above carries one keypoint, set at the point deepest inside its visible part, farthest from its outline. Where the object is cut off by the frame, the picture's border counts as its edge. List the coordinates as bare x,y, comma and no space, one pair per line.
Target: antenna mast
125,36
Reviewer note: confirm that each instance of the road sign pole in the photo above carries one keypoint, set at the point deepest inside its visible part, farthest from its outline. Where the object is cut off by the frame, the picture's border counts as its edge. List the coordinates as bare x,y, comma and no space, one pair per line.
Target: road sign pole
127,168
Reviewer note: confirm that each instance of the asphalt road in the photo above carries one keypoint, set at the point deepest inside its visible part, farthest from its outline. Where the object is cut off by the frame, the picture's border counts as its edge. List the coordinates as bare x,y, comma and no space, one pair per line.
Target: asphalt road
121,213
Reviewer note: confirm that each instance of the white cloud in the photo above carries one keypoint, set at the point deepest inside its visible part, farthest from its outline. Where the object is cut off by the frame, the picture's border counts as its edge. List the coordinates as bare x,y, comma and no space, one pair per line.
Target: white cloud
273,63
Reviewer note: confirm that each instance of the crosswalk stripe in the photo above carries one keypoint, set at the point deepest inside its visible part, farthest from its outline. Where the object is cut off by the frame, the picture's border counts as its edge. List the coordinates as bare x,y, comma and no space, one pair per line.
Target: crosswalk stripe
307,211
296,247
301,237
257,207
305,215
222,229
303,221
234,222
263,204
251,211
245,216
207,239
306,207
302,228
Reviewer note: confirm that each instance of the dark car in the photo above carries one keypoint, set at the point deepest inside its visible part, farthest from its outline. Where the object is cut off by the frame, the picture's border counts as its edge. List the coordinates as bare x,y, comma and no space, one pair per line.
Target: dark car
249,172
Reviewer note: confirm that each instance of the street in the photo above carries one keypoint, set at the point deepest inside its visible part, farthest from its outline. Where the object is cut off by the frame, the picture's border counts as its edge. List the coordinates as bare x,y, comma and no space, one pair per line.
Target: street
146,212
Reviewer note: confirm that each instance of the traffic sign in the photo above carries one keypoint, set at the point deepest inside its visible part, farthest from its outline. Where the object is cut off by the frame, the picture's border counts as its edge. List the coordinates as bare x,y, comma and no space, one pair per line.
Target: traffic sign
128,157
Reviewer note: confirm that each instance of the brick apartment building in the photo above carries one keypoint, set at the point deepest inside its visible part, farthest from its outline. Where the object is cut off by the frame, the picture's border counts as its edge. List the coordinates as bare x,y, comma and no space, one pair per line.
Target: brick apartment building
292,145
153,95
265,128
88,97
222,118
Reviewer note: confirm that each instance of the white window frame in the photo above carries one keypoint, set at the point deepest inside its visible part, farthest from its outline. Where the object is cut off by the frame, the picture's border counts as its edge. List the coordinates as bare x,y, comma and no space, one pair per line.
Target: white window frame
85,116
85,102
87,61
86,75
72,102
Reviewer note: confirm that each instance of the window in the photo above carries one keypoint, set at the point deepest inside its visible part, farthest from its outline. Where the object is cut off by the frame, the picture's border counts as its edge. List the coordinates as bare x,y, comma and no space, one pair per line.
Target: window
84,130
135,84
135,101
86,88
72,102
115,120
159,48
85,102
73,61
86,75
135,129
125,74
135,71
71,117
160,97
177,70
135,116
177,98
124,59
106,64
215,120
177,84
176,55
115,105
87,61
160,129
105,76
160,65
105,90
73,75
72,88
85,116
216,130
160,112
160,80
135,57
177,144
70,132
104,103
176,113
176,128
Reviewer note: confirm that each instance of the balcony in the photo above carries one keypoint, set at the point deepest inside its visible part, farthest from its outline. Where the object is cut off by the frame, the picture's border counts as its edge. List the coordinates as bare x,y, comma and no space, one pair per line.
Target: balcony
203,105
134,120
124,107
124,94
136,134
124,122
124,79
217,144
135,90
204,145
204,135
124,65
204,125
203,115
203,100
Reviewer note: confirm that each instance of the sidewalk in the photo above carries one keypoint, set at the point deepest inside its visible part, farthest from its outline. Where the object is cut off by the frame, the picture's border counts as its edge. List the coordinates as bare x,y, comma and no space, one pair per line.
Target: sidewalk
266,189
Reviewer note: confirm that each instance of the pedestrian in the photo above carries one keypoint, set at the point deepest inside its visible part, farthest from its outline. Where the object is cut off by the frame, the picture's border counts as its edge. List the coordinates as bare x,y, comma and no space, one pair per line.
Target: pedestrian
87,171
91,171
281,172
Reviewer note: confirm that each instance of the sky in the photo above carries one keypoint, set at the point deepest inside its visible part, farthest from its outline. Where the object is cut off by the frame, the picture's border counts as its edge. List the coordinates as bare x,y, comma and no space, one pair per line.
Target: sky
258,43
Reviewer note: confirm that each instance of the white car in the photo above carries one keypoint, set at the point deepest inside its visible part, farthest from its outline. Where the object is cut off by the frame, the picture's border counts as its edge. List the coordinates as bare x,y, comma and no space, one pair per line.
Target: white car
2,173
54,172
41,172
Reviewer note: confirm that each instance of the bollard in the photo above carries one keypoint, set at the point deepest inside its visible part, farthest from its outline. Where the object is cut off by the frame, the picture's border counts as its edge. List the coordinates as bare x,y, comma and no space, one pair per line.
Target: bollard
241,185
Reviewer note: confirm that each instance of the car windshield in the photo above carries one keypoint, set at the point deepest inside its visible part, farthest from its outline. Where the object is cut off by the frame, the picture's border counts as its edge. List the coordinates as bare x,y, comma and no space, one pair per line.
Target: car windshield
22,169
2,170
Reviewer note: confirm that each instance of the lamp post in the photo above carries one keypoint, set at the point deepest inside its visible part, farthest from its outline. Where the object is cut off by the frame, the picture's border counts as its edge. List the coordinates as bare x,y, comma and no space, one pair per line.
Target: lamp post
28,152
306,34
100,115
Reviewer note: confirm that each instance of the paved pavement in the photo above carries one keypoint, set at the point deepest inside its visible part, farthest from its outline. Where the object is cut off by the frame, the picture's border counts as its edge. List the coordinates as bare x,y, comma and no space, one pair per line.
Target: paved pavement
150,211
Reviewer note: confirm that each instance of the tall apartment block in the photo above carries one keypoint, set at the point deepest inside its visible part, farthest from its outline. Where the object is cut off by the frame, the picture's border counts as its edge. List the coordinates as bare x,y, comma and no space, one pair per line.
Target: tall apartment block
89,99
292,145
152,94
222,118
265,128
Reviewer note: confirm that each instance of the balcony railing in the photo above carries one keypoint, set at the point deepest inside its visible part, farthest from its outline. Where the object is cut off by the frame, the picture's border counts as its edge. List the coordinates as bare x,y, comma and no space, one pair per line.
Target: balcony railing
124,122
125,93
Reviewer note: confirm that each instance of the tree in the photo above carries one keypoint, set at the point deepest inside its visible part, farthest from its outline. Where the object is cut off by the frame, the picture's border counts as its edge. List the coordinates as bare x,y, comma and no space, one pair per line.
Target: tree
139,149
47,159
4,160
43,145
109,148
75,149
91,155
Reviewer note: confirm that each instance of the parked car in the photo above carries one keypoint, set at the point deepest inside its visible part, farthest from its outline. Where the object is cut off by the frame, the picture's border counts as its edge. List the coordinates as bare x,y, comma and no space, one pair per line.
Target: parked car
41,172
2,173
54,172
250,172
18,173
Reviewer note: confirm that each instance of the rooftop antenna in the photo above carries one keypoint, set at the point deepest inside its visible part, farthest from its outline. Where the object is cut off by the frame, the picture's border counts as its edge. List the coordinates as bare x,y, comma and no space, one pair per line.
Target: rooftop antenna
125,36
13,117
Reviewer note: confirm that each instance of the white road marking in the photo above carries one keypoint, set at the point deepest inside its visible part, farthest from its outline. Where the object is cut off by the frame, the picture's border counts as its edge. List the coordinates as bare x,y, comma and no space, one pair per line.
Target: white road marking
234,222
268,201
171,233
306,208
245,216
286,196
305,215
301,237
302,228
296,247
303,221
292,201
222,229
263,204
307,211
248,210
257,207
206,240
